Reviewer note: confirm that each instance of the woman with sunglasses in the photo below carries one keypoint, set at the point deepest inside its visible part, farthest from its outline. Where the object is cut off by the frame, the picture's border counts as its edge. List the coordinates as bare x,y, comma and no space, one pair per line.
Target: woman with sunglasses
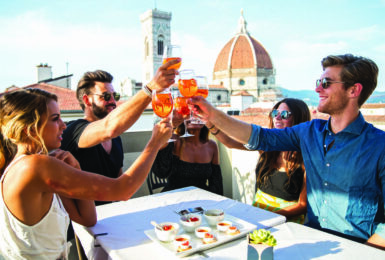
41,188
281,177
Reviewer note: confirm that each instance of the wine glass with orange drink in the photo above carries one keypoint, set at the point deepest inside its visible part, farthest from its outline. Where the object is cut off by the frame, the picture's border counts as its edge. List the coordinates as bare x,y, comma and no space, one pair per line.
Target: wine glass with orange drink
182,108
187,84
172,52
202,90
162,103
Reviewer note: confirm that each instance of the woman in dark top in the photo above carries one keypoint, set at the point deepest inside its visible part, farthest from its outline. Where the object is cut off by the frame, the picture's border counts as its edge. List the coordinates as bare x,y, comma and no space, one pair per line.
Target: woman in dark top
190,161
281,177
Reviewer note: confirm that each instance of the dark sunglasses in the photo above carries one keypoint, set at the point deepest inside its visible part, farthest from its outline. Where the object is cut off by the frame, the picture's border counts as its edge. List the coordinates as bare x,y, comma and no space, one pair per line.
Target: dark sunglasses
284,114
325,83
107,96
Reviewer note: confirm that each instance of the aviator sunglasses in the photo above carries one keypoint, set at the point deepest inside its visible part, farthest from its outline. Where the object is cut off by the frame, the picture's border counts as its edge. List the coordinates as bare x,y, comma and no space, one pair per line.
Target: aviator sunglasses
325,83
107,96
284,114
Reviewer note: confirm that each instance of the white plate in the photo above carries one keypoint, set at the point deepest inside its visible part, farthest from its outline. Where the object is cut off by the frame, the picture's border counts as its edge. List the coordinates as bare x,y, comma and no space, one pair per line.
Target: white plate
197,244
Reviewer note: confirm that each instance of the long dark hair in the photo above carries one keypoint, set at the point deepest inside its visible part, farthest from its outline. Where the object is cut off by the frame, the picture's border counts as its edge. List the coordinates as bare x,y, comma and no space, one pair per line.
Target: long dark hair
267,160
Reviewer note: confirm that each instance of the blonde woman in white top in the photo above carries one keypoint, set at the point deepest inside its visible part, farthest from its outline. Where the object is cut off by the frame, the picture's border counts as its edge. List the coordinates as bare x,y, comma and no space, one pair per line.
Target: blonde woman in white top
37,189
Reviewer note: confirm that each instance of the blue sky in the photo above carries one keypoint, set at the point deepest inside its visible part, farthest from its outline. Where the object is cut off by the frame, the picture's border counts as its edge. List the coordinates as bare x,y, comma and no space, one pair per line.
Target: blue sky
106,35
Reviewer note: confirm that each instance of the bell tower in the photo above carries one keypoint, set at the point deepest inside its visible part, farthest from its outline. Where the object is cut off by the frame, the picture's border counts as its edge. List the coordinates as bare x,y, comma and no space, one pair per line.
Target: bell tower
156,34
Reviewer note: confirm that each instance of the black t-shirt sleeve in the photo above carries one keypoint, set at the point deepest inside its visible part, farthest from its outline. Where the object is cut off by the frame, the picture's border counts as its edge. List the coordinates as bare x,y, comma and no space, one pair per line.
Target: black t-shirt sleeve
72,133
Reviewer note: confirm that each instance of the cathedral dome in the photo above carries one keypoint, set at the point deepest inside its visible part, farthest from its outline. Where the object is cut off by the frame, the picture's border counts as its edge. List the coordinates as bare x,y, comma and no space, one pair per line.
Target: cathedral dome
242,52
243,64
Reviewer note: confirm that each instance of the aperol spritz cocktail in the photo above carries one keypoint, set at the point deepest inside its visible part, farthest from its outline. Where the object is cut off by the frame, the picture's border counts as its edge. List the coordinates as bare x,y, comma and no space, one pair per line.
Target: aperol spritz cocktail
162,102
172,52
187,84
202,90
182,108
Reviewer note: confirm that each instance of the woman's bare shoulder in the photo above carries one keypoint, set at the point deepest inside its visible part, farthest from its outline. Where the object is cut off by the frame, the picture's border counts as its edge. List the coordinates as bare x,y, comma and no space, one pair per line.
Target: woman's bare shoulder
212,143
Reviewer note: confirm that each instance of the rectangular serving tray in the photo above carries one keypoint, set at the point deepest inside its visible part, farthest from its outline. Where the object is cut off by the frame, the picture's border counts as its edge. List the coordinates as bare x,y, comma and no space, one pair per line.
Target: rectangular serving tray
197,243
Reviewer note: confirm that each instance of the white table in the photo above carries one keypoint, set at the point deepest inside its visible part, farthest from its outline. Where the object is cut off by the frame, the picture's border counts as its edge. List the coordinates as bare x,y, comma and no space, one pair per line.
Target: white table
125,223
301,242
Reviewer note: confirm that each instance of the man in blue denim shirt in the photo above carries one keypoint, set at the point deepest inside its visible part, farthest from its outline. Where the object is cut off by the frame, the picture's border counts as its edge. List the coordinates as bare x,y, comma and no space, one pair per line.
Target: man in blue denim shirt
344,156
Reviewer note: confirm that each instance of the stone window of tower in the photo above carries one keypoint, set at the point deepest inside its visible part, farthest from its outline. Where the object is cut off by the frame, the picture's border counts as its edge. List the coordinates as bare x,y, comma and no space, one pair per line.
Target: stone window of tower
241,82
146,48
264,81
160,45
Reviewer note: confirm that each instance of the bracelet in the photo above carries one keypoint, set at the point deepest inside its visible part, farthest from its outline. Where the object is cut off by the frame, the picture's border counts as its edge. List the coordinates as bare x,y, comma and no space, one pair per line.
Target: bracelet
211,127
147,90
217,132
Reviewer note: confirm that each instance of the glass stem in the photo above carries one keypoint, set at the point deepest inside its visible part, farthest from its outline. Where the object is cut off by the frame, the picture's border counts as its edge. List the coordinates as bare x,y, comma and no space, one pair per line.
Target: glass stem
185,127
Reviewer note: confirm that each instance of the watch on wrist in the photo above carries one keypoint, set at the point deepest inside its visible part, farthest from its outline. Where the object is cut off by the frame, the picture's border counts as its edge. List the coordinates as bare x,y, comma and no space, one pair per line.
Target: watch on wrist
147,90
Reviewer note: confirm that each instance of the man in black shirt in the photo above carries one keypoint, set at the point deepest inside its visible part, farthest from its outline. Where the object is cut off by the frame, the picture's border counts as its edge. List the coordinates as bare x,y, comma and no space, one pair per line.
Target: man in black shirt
94,140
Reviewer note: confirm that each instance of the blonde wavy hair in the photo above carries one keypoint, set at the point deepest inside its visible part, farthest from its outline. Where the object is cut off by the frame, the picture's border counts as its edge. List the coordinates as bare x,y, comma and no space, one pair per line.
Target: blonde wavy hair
23,115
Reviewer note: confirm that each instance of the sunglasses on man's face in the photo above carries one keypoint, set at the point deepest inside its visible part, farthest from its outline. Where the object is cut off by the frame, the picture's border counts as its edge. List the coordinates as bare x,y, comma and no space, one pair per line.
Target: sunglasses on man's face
325,83
284,114
107,96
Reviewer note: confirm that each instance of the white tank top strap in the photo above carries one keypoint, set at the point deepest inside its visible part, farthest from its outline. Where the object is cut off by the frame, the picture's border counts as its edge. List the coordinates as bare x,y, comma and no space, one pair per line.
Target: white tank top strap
9,165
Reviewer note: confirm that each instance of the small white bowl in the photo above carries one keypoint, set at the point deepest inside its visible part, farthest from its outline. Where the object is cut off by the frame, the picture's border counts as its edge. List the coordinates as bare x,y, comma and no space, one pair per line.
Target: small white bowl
201,231
167,234
209,238
190,222
213,216
180,239
223,226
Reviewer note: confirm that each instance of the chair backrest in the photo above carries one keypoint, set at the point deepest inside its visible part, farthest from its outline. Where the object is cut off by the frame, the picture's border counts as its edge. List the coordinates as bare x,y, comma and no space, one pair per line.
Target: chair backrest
153,182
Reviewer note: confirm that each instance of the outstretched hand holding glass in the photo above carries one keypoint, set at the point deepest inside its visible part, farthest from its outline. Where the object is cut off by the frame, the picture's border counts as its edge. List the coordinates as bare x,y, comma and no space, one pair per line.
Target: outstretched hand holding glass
162,104
172,52
202,90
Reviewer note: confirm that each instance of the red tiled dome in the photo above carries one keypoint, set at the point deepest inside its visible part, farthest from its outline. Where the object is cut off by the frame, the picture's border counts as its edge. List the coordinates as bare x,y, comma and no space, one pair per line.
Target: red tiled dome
242,52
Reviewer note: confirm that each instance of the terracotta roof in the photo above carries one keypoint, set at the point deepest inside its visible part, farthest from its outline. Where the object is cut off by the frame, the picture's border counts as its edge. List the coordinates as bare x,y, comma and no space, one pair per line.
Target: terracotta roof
245,52
66,97
373,105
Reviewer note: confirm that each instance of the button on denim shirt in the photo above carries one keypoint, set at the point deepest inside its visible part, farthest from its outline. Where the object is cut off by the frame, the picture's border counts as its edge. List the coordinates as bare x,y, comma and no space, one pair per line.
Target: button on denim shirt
345,172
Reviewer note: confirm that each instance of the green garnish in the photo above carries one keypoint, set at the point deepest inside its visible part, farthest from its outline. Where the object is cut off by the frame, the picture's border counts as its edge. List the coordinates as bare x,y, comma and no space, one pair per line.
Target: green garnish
262,236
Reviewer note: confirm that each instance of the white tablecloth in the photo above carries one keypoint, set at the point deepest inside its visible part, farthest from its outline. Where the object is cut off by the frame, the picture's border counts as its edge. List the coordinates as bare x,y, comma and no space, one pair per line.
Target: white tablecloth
125,223
300,242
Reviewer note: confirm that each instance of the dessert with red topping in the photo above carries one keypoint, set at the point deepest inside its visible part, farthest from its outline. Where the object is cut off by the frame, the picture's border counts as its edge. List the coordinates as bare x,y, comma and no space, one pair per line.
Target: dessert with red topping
182,243
167,232
190,222
223,226
209,238
233,230
184,246
201,231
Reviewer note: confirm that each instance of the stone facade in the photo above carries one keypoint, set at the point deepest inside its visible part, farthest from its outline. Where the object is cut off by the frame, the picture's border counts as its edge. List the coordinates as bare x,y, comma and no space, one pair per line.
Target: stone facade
156,34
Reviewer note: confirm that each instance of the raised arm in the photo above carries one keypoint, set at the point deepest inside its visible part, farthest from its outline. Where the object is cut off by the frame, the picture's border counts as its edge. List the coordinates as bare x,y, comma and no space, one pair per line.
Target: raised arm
67,181
223,138
238,130
125,115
